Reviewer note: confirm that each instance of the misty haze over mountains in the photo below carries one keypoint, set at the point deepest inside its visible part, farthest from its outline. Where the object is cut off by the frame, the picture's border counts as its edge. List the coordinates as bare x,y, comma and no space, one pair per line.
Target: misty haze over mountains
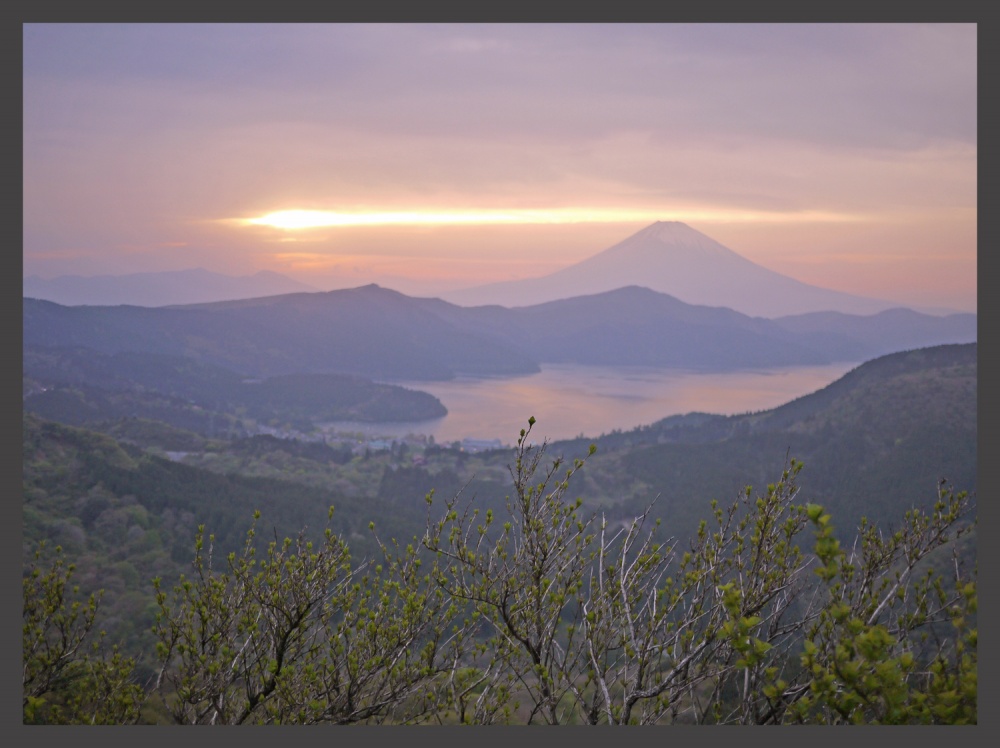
675,259
193,286
668,256
745,317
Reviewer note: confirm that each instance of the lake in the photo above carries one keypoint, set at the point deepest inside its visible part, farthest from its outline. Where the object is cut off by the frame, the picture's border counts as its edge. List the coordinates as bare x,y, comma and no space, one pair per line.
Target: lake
569,400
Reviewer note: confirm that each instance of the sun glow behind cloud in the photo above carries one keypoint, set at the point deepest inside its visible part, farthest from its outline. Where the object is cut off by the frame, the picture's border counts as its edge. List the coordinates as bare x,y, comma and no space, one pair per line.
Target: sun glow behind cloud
297,220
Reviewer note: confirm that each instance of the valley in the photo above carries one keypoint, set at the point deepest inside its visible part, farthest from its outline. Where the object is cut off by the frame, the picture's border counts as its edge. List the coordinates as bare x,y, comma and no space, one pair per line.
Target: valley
873,442
144,427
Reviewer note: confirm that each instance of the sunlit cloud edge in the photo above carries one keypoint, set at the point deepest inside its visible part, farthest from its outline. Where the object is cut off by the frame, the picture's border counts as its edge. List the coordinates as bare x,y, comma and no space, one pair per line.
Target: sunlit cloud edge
299,220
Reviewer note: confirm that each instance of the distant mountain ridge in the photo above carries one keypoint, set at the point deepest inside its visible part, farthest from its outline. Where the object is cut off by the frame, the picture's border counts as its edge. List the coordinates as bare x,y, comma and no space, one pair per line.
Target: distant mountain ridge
192,286
368,331
382,334
675,259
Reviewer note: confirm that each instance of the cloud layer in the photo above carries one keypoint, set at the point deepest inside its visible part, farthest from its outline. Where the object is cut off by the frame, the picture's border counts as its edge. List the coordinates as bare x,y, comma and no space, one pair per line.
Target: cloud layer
139,139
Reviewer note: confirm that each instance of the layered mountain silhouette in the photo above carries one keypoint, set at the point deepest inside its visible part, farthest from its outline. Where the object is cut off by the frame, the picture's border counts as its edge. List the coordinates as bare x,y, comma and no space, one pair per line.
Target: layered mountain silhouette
193,286
382,334
368,331
675,259
668,256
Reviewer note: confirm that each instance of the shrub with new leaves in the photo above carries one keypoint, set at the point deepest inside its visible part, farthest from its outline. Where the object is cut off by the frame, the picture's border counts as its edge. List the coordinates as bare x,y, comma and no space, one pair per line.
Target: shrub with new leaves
67,675
538,611
299,636
590,624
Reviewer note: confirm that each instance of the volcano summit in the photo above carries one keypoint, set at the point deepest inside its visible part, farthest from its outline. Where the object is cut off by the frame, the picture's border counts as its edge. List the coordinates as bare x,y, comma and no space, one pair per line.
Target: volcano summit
673,258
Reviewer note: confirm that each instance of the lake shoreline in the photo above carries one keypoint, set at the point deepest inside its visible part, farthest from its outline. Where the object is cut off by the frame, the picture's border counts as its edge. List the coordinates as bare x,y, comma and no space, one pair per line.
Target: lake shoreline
572,400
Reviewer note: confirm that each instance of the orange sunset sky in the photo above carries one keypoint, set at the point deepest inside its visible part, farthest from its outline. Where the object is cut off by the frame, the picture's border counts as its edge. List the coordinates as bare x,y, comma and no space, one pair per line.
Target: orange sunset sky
430,157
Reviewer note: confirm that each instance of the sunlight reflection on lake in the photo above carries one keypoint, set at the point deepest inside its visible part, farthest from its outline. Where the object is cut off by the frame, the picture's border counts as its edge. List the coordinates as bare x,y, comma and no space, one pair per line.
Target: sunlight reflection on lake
568,400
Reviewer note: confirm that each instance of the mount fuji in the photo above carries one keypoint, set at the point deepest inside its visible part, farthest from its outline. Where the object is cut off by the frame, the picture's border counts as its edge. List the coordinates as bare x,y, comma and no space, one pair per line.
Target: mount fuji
675,259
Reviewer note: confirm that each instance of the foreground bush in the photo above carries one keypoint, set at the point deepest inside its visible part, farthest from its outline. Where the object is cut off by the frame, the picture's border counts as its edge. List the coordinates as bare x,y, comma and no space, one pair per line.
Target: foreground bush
538,612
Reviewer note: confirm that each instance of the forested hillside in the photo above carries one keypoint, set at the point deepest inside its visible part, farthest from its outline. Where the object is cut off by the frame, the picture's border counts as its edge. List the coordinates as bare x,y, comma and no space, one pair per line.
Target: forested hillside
872,441
84,387
875,444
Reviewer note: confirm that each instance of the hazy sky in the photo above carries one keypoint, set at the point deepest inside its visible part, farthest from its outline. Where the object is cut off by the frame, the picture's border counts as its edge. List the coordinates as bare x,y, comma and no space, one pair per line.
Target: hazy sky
443,156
